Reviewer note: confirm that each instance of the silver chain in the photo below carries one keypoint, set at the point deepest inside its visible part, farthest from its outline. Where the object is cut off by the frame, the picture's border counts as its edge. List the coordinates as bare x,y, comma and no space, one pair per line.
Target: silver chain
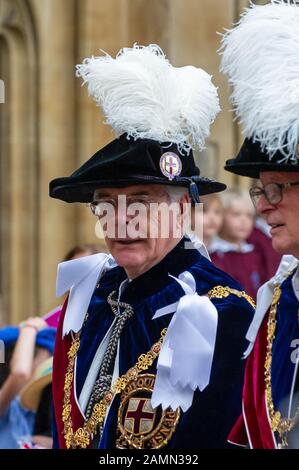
103,382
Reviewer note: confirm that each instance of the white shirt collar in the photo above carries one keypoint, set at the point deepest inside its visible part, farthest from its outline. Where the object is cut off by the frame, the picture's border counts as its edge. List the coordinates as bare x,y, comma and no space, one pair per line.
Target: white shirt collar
295,283
79,277
219,244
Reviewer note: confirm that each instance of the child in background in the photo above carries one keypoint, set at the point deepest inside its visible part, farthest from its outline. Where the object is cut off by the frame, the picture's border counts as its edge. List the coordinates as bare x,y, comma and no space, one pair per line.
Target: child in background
231,252
212,218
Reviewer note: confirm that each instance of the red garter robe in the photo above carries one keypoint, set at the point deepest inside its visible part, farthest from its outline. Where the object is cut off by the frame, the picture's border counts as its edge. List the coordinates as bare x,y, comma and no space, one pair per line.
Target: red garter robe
253,426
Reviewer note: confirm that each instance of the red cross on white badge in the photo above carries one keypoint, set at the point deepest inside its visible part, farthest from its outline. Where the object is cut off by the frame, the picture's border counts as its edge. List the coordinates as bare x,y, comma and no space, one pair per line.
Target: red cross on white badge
170,165
140,416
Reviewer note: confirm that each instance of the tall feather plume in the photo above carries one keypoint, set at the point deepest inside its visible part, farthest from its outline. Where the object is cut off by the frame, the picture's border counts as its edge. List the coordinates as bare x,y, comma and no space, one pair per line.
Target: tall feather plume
260,55
142,94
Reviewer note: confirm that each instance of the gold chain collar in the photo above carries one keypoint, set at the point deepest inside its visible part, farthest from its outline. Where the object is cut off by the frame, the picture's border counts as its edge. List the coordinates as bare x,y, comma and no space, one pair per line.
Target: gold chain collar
279,424
82,436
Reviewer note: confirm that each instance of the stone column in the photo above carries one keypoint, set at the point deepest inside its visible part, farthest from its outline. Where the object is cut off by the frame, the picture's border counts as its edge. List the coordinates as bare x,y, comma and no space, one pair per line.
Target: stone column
194,40
57,138
19,163
101,25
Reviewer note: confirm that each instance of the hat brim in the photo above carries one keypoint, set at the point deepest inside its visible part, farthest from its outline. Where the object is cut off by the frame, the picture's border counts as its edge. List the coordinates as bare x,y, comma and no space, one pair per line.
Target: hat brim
69,190
252,160
253,170
31,393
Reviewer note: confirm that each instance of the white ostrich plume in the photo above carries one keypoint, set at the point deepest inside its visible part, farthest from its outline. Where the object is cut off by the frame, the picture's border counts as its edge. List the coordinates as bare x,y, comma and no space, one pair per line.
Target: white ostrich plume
143,95
260,56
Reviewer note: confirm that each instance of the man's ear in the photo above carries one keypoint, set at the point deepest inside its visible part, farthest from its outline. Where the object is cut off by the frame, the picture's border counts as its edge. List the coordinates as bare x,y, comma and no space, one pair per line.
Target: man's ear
185,199
185,212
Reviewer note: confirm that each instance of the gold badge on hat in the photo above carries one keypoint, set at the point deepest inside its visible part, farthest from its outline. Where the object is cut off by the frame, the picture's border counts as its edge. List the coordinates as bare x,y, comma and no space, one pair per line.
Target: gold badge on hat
139,425
170,165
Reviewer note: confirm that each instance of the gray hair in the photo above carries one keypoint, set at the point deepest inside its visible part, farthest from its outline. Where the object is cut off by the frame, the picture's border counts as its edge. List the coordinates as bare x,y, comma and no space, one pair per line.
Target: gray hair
175,192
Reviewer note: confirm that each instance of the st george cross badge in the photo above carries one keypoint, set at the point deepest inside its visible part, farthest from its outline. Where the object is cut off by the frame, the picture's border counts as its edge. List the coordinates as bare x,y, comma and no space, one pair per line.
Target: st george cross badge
140,416
139,425
170,165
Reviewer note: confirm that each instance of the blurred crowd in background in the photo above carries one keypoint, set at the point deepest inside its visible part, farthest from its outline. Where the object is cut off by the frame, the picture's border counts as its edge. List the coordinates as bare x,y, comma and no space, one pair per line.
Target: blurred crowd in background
26,376
238,242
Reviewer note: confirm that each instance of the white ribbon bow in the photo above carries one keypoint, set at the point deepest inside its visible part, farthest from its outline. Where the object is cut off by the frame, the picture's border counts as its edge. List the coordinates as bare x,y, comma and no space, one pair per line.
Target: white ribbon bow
186,356
265,297
79,276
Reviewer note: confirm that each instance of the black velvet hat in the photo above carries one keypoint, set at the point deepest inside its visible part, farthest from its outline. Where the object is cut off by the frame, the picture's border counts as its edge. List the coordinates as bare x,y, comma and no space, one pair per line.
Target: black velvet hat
159,112
260,58
251,160
125,162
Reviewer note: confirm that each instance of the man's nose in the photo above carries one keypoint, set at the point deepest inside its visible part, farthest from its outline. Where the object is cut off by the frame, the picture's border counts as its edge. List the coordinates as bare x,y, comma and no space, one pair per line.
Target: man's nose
263,205
121,217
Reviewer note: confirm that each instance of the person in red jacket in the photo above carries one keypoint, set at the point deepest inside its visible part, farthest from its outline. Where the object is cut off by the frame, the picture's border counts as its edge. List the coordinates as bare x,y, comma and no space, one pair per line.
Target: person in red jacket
231,251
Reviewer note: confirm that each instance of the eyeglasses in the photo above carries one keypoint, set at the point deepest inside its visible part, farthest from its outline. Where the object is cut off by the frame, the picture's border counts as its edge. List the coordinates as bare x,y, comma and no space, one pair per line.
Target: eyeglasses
101,205
272,192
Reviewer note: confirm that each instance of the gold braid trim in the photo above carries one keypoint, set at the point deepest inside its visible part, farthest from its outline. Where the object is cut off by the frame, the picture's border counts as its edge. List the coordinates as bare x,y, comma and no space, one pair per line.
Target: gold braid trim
220,292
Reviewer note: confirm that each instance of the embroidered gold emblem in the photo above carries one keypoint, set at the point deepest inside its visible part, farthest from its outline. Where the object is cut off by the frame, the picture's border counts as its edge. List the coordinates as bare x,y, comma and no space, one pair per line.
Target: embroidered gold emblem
82,436
220,292
139,425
